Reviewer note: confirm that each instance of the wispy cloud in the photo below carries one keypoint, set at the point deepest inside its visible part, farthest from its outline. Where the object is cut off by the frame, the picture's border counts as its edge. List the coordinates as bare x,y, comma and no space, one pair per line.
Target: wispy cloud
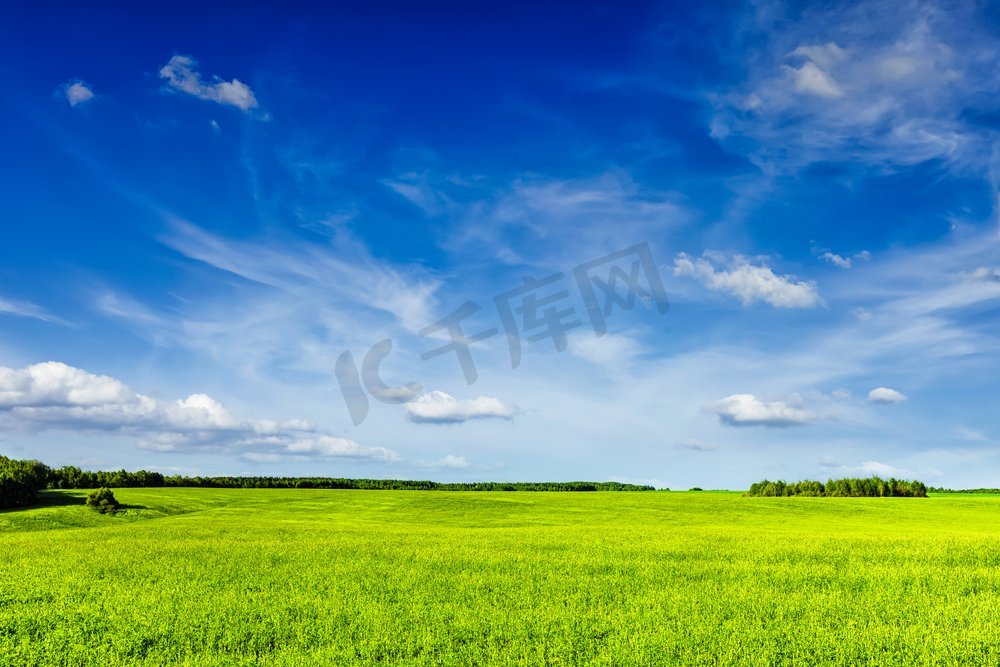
345,269
613,350
886,84
696,445
547,222
28,309
418,190
295,306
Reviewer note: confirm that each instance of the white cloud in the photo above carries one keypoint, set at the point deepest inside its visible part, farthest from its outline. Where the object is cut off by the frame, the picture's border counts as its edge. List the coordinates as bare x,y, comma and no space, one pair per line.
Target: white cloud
825,56
548,222
809,78
330,446
416,189
77,92
180,74
748,410
878,469
452,461
696,445
844,262
836,260
54,384
749,282
887,84
344,269
986,273
53,395
975,435
437,407
885,395
614,350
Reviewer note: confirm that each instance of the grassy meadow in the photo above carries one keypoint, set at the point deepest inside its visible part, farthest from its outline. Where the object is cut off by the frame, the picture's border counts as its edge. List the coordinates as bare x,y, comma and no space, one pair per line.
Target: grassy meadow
319,577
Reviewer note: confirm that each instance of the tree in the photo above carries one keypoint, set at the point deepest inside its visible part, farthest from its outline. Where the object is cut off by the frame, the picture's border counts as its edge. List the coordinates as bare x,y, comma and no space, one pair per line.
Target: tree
20,481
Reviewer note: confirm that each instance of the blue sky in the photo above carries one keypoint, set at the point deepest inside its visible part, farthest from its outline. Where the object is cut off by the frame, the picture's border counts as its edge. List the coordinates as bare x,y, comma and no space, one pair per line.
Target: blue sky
204,210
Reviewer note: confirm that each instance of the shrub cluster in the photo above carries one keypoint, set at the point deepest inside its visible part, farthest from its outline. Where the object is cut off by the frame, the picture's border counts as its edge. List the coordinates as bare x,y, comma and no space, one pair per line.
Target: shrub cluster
872,487
103,501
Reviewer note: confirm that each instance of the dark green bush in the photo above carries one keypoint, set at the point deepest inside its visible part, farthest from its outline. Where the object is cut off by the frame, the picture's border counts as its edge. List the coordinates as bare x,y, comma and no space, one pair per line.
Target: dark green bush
103,500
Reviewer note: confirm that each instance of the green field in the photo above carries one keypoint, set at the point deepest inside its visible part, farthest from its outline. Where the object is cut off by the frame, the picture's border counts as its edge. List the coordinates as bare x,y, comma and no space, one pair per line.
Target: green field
300,577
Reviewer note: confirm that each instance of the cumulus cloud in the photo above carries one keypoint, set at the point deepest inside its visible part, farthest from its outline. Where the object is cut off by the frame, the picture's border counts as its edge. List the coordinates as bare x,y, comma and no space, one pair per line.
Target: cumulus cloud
748,410
77,93
437,407
749,282
885,395
181,74
54,395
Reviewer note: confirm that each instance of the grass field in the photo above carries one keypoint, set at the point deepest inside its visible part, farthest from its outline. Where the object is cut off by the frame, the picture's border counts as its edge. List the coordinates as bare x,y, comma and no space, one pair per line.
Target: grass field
299,577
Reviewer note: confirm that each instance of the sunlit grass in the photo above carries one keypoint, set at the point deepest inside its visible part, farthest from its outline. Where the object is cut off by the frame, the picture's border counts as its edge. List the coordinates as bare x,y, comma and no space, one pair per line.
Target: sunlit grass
299,577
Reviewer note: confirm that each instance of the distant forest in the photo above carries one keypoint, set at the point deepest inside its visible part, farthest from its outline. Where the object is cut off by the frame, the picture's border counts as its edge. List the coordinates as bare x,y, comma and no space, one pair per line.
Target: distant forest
868,487
20,482
939,489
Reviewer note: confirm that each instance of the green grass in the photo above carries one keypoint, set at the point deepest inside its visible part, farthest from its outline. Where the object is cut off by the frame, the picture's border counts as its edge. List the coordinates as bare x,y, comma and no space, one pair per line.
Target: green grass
299,577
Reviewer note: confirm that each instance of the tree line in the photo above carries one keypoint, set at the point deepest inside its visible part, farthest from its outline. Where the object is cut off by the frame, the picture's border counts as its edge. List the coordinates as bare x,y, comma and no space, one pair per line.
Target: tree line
20,482
71,477
938,489
870,487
